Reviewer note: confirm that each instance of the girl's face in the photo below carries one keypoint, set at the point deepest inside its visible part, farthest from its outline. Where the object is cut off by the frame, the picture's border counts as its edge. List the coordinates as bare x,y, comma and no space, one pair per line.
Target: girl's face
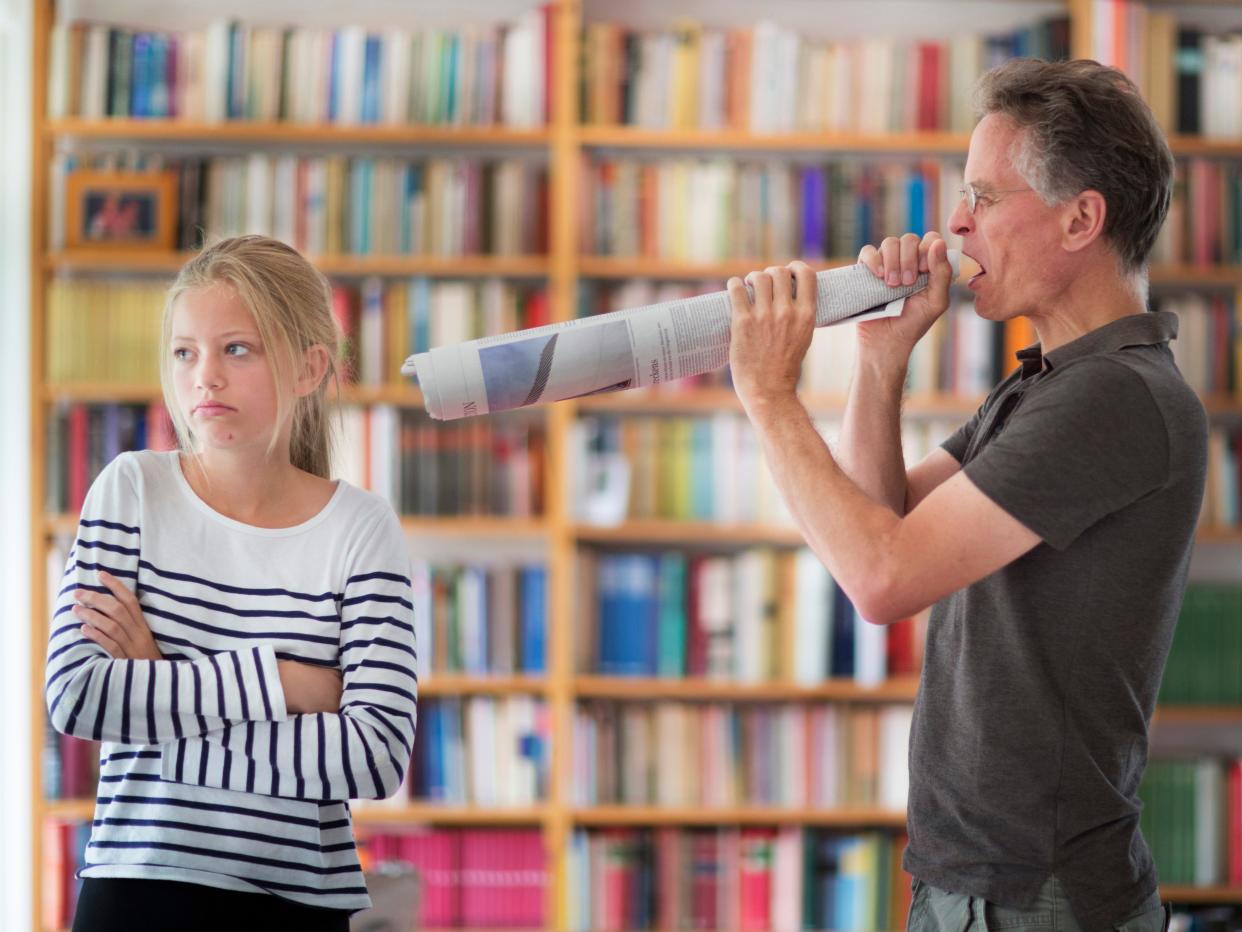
222,377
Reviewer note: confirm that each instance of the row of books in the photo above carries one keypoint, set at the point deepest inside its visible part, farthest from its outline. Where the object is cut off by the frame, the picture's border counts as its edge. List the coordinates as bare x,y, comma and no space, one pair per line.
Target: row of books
712,209
749,879
470,75
103,329
1223,489
716,755
762,615
772,77
475,467
1191,77
1205,661
1204,225
64,854
479,751
1192,820
342,205
480,619
1208,348
466,878
483,466
705,468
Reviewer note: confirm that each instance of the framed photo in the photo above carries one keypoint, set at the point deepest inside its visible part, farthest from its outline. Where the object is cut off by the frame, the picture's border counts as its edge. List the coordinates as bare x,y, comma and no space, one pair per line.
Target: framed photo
125,210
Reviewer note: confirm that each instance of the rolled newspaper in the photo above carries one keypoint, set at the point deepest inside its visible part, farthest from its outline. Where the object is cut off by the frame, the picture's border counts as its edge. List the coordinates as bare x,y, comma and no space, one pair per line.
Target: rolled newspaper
624,349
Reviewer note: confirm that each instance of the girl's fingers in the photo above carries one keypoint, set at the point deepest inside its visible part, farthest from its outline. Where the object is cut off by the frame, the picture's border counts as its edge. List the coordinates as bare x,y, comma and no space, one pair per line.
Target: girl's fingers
111,646
121,592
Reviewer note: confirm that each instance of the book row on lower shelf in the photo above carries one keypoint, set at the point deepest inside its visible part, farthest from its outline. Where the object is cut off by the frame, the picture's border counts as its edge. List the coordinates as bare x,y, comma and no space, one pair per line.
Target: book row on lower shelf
1205,660
762,615
718,756
1192,819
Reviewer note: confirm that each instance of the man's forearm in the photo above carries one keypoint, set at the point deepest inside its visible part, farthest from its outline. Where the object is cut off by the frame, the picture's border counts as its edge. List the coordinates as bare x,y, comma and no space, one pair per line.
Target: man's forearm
869,451
849,531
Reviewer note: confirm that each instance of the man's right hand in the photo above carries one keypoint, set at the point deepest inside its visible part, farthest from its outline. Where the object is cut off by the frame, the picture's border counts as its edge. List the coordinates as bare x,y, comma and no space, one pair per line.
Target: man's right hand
309,688
890,340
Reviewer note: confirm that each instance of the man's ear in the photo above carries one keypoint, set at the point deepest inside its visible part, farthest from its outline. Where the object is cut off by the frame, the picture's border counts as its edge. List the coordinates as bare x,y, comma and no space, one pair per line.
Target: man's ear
1082,220
314,367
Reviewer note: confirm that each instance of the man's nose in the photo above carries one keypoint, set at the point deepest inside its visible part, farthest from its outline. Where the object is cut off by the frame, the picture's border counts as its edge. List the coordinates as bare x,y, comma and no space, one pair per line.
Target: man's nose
961,221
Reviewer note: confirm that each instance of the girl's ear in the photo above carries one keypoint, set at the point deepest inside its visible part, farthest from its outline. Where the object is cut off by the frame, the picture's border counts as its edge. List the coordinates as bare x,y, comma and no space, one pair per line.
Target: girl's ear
314,367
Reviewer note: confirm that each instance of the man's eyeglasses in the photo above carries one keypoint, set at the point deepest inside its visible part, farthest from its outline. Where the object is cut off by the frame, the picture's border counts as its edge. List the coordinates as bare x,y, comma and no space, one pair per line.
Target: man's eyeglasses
973,196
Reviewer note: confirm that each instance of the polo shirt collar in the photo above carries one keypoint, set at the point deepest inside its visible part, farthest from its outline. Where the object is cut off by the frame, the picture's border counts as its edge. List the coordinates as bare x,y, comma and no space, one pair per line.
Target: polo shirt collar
1145,329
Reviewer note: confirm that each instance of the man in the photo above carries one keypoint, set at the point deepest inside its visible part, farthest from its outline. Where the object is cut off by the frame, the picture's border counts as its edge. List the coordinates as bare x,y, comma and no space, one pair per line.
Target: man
1053,531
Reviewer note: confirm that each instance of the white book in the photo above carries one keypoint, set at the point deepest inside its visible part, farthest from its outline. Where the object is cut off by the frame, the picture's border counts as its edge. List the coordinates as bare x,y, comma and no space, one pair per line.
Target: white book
870,652
635,754
216,72
829,740
791,774
812,618
1209,820
764,77
351,44
716,613
452,313
519,61
94,87
58,71
285,198
395,70
525,775
424,630
480,734
712,78
472,619
787,871
258,202
749,594
315,208
384,432
894,741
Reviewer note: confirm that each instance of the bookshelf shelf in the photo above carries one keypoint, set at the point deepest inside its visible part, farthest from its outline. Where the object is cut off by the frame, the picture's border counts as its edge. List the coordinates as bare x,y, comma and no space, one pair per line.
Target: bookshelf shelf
1198,715
1197,276
453,684
1219,895
69,808
632,137
327,133
687,532
432,814
598,816
898,689
712,400
133,260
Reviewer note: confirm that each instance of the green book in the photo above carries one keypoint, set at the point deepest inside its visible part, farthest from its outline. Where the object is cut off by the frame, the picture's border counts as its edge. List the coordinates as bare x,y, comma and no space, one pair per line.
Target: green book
672,614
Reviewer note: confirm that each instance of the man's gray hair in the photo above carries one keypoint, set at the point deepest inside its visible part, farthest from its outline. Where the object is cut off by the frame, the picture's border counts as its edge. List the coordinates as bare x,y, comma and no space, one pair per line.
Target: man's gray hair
1085,127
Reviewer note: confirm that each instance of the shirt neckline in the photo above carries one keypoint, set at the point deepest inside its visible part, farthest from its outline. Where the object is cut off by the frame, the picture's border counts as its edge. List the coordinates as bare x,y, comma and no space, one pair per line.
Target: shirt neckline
174,461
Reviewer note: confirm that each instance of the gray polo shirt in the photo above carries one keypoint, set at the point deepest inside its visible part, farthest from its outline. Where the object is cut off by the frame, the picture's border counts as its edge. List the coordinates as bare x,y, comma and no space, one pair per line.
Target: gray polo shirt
1030,726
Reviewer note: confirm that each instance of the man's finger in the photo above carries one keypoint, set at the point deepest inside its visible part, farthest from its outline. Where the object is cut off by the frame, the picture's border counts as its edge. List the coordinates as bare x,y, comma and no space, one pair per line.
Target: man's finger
738,295
804,278
782,285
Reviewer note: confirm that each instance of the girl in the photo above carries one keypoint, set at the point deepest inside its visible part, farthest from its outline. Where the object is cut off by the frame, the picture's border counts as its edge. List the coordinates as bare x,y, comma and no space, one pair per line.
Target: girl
235,627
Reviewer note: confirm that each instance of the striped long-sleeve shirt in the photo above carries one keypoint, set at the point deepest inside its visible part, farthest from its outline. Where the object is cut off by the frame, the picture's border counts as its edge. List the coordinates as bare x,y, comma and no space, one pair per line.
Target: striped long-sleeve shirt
205,777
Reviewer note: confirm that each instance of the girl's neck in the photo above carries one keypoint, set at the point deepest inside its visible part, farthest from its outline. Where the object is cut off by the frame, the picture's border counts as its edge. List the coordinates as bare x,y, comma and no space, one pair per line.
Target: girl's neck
263,491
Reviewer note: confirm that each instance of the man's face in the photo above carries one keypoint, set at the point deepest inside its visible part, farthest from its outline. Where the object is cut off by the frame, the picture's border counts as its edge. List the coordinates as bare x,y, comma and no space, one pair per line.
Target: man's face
1012,234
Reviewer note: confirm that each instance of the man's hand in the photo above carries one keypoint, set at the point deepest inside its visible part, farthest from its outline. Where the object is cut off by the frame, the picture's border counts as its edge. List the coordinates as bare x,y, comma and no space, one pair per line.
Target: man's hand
309,688
115,622
899,262
770,336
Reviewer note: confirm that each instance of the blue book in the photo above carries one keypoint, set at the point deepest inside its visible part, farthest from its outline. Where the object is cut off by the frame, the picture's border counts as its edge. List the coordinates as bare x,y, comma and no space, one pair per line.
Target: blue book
606,602
433,751
532,625
237,72
671,659
864,209
111,432
419,315
448,79
842,633
370,80
159,94
814,212
140,63
916,201
334,77
701,470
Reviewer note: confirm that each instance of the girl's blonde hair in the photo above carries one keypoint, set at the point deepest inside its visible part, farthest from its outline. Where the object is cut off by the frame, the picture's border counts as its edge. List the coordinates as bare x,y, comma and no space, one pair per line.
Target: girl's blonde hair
291,302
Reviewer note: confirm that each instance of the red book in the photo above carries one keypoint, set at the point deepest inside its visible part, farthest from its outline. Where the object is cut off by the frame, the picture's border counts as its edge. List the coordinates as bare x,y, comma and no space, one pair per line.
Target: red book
75,768
435,856
901,648
618,879
705,880
537,310
530,888
78,439
669,911
696,637
548,11
755,880
929,85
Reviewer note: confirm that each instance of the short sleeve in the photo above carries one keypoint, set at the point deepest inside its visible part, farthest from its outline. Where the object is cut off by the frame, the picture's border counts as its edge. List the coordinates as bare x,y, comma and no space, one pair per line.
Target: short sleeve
1084,444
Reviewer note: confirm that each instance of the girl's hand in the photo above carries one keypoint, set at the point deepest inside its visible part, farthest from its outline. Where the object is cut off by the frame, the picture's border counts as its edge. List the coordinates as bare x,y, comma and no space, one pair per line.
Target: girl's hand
309,688
115,622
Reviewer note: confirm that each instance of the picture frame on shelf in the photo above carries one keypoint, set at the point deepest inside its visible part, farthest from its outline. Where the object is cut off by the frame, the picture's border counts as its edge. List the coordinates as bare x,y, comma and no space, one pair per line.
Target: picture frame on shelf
121,210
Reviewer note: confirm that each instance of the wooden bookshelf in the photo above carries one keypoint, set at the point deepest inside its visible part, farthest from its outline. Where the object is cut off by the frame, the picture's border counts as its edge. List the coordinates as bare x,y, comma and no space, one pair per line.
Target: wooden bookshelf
563,142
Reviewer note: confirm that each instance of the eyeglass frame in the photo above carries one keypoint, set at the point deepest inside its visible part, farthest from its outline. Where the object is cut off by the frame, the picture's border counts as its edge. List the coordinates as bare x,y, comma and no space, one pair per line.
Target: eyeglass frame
971,195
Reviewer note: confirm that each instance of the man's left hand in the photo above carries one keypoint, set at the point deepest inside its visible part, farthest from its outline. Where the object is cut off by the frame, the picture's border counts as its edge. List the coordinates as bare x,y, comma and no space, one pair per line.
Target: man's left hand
770,336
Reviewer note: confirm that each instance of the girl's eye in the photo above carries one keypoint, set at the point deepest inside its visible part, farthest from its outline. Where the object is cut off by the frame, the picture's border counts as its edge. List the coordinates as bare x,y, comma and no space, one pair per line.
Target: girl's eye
181,353
237,349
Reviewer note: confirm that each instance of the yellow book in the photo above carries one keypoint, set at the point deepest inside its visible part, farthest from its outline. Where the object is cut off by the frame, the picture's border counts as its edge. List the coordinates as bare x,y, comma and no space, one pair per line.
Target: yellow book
396,331
684,94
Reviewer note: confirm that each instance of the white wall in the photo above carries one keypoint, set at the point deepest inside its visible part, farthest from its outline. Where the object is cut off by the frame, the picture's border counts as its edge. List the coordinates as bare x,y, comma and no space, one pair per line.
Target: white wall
15,867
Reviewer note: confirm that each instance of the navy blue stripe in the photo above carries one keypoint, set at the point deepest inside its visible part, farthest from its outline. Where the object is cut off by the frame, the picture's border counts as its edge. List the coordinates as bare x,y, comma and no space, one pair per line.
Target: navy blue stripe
239,612
249,757
379,642
111,548
381,687
174,709
322,748
232,633
74,586
275,790
103,703
393,577
209,807
115,571
237,590
285,655
349,770
129,755
204,753
227,856
77,663
198,699
210,830
340,823
241,686
258,669
152,672
378,620
181,761
381,665
375,777
220,707
299,783
129,683
71,724
384,720
111,525
227,768
375,597
122,777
